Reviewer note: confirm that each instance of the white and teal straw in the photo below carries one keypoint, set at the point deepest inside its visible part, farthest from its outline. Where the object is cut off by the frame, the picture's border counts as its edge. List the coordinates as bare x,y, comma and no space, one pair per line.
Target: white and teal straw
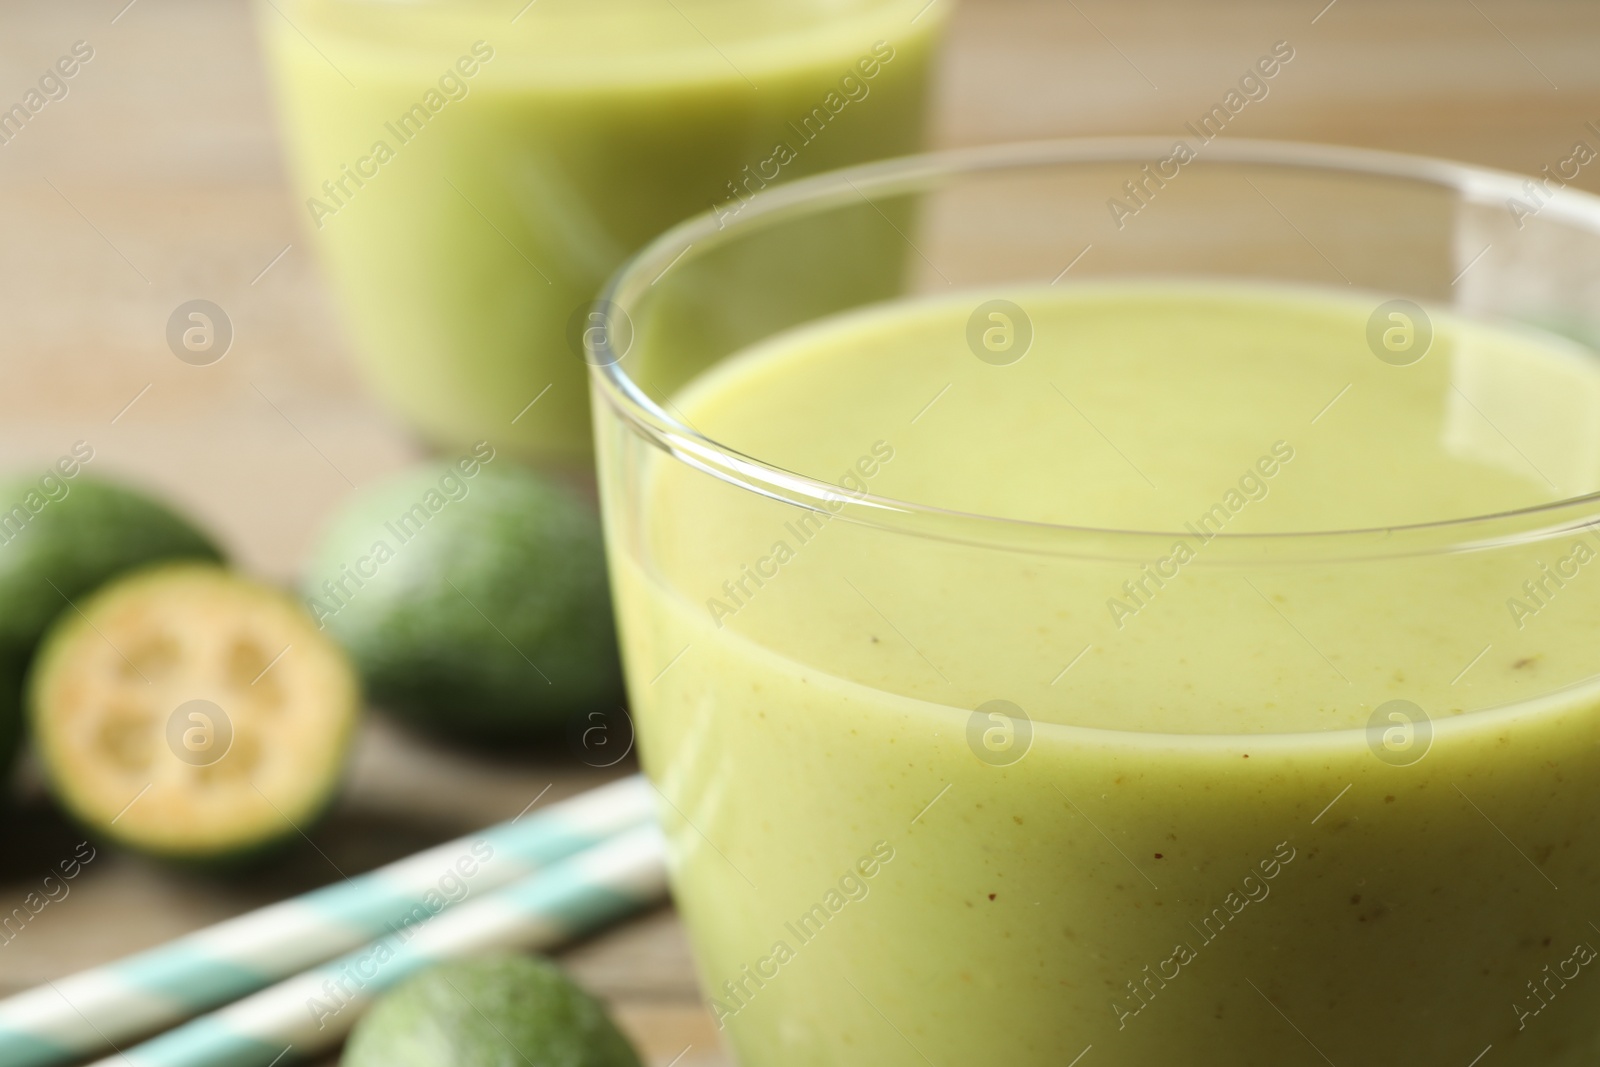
62,1021
312,1012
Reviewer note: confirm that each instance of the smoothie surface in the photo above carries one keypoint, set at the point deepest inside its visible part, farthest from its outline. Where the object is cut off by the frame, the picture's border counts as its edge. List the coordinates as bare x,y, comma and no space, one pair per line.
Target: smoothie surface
1135,408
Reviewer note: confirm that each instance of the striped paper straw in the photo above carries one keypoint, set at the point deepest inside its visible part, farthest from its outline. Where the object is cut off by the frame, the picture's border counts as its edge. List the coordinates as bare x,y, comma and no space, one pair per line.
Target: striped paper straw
312,1012
62,1021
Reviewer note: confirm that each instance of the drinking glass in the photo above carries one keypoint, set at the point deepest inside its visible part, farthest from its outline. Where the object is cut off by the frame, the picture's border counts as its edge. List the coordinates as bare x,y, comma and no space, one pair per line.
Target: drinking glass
472,170
966,773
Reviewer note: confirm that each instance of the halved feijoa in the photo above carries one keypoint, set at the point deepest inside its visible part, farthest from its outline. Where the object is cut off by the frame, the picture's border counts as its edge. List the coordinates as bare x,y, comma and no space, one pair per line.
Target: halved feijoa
188,712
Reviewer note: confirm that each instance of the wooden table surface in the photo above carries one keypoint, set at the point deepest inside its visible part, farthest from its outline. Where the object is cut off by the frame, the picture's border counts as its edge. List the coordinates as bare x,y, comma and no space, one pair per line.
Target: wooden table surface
159,179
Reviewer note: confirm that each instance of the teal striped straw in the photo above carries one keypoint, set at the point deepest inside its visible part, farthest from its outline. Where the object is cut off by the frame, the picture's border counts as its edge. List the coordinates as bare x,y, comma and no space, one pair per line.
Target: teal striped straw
63,1021
311,1013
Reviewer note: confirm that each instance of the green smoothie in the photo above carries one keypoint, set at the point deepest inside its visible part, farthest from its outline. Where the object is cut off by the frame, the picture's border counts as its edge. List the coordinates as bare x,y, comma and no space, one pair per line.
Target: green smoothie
473,170
1196,829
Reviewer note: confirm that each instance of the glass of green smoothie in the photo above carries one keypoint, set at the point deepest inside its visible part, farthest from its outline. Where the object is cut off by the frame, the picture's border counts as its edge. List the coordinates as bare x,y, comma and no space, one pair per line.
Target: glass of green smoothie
1144,611
472,170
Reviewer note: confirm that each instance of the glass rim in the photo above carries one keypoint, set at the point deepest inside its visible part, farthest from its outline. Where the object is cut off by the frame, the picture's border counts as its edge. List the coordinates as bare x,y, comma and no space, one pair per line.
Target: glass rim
612,385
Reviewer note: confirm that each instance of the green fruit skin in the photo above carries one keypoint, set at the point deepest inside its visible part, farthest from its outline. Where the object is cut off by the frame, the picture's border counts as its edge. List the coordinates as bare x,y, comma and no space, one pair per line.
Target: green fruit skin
492,622
64,549
73,545
488,1012
226,860
11,671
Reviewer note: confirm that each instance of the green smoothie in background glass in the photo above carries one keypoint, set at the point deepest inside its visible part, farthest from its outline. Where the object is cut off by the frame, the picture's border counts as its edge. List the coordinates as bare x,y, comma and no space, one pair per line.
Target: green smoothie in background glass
474,170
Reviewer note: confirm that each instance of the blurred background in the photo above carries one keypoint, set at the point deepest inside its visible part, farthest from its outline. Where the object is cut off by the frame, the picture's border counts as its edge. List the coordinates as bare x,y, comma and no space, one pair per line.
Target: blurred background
159,178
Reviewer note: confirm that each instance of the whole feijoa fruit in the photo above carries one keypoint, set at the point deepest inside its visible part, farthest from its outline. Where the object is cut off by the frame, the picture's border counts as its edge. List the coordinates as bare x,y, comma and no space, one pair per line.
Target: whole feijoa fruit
473,597
63,537
488,1012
